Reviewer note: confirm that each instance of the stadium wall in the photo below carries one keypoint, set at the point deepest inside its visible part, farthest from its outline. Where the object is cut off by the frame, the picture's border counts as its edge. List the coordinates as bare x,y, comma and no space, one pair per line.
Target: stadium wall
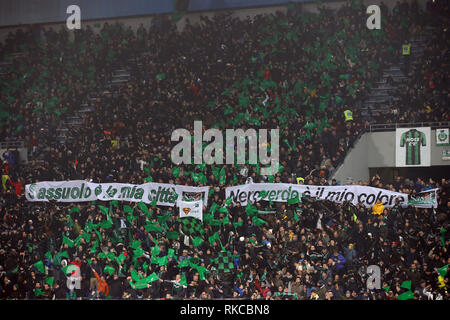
377,150
15,14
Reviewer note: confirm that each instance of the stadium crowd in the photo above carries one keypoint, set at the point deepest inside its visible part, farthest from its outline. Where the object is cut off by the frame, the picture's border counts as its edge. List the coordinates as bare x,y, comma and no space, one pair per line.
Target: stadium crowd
298,72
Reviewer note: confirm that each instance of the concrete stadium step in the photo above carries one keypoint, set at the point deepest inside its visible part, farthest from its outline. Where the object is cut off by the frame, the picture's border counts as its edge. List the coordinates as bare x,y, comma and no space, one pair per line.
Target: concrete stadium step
5,63
378,99
393,72
397,78
383,86
74,122
72,117
86,110
380,92
121,73
377,105
118,81
394,67
17,55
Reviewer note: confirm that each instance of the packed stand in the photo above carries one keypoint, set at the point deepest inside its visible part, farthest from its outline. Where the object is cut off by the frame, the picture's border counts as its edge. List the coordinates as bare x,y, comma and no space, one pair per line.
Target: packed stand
296,72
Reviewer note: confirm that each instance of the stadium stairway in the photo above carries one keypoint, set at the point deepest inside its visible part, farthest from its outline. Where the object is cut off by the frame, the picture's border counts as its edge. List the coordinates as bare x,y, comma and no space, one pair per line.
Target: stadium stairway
74,120
380,99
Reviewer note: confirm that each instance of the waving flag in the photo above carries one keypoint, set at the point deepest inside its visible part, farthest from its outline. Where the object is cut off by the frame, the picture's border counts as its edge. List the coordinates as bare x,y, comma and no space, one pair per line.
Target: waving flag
191,209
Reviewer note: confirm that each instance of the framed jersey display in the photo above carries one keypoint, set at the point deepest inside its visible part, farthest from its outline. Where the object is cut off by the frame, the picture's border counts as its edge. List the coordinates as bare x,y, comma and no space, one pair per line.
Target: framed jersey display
412,147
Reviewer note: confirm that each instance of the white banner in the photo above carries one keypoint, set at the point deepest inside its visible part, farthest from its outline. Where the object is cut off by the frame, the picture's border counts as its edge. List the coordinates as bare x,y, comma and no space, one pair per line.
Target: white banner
442,137
282,192
80,190
424,199
191,209
412,147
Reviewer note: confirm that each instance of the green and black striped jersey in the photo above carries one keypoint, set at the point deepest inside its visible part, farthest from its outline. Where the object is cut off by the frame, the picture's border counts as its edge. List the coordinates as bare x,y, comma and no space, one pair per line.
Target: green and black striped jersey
412,140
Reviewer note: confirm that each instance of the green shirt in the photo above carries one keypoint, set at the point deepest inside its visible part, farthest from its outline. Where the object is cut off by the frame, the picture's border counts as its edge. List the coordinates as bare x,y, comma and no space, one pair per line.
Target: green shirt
412,140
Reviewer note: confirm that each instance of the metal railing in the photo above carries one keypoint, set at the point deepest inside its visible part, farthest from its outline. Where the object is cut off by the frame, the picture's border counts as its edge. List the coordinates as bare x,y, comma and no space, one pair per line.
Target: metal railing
393,126
11,144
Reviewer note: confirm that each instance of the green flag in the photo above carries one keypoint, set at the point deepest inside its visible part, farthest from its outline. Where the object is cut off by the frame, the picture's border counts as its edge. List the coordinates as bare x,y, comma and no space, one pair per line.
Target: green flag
94,247
172,235
197,241
222,210
135,244
111,256
224,261
138,253
153,227
258,221
226,220
443,270
222,175
130,218
101,255
121,258
127,209
296,217
202,270
151,278
40,266
48,255
160,76
406,296
251,210
171,253
64,254
406,285
50,281
138,285
183,280
103,209
215,222
162,261
110,270
143,207
238,224
184,263
38,292
135,276
175,172
228,201
105,224
74,209
162,219
294,200
213,238
155,250
213,208
86,236
69,242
